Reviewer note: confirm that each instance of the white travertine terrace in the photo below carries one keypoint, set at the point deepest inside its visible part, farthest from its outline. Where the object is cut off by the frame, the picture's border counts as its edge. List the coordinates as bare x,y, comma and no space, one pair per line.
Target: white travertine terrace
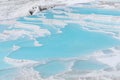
107,24
18,8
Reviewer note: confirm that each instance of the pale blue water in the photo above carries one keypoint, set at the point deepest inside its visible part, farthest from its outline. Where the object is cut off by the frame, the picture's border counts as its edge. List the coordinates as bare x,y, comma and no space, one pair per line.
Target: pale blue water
96,11
87,65
51,68
73,42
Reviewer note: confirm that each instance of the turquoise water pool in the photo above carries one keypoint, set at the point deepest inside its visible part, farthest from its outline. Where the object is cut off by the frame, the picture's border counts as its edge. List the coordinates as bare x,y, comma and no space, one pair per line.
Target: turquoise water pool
75,33
72,42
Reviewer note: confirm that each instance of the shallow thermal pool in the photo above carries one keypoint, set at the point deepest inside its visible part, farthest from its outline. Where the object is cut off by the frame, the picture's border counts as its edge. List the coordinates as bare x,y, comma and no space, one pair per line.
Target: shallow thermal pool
63,43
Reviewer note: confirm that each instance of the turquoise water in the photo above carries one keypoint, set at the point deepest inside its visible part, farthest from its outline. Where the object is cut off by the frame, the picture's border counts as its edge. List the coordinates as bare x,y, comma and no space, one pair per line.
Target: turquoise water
96,11
51,68
88,65
72,42
60,51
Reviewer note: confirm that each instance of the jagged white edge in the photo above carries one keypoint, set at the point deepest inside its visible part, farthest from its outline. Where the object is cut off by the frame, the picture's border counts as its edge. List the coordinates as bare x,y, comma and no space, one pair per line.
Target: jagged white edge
12,8
20,30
